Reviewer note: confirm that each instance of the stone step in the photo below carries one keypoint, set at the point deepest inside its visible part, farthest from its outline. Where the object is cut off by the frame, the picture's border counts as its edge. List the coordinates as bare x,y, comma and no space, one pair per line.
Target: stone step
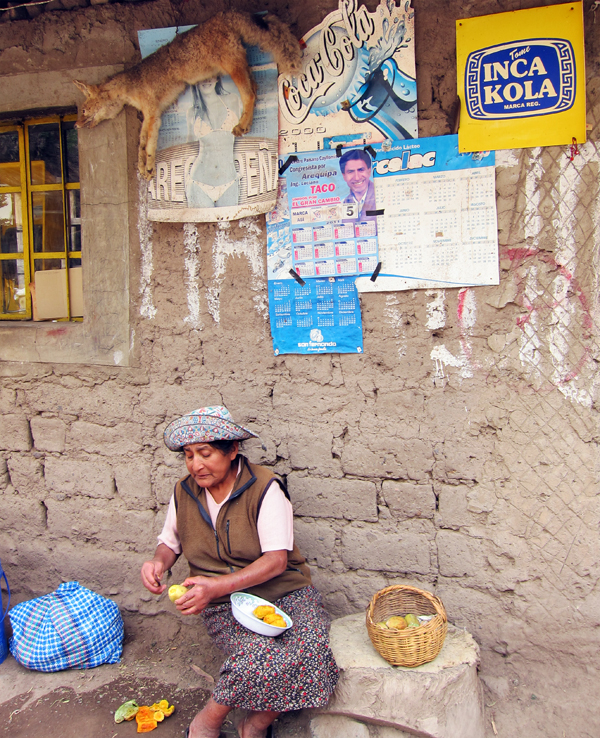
441,699
338,726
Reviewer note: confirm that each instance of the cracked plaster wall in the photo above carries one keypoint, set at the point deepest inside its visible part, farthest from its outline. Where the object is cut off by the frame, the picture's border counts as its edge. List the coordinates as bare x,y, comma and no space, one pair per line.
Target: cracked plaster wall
459,452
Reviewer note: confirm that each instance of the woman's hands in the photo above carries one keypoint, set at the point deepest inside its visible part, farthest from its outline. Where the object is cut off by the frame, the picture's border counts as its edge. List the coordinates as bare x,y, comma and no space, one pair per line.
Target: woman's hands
153,571
205,590
202,592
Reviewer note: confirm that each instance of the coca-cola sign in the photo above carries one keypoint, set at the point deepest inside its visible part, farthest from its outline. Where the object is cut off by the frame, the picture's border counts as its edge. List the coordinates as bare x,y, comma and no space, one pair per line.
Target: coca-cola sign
358,73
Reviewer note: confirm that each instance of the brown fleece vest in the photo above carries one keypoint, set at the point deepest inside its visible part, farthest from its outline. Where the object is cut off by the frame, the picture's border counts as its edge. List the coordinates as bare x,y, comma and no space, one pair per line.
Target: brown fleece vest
234,543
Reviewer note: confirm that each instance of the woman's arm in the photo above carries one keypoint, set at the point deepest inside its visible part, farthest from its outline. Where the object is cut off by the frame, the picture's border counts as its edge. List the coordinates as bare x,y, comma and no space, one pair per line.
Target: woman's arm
206,589
152,571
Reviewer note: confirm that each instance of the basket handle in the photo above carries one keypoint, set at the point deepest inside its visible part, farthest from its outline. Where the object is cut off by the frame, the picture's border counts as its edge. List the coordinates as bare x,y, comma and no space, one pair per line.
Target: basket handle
442,610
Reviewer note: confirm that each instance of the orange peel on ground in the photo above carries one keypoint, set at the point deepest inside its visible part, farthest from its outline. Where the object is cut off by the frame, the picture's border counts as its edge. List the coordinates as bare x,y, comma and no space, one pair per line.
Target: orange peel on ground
148,716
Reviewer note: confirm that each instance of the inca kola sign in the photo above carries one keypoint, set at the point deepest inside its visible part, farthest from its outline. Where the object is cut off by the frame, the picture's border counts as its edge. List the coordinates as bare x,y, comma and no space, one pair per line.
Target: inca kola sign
521,78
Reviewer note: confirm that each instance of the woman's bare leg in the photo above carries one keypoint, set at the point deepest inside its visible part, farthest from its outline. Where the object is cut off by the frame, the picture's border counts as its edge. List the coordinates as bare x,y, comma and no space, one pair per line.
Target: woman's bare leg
207,723
255,724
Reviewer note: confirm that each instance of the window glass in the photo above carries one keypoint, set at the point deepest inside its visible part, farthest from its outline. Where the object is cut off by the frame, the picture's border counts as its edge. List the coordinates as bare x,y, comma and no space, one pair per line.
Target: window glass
10,172
74,220
9,147
12,279
71,149
44,265
48,225
44,150
11,228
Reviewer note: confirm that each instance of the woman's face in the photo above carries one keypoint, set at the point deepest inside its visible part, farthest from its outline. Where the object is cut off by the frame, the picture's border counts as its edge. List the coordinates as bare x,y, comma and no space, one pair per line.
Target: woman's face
207,85
207,465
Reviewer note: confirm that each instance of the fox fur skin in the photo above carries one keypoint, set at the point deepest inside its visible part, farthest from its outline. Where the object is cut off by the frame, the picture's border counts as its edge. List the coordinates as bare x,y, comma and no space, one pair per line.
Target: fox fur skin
208,50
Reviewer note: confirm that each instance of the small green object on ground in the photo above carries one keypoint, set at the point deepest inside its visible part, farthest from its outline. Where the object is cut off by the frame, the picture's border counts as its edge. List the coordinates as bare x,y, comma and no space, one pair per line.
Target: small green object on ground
127,711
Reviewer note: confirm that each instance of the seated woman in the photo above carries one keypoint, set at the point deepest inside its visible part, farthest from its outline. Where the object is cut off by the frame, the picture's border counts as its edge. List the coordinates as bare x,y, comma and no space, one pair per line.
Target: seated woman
213,180
233,522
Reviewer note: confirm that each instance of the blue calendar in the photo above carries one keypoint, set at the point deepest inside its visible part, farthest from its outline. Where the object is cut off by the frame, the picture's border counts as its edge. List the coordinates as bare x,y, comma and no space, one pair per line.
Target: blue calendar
438,225
321,316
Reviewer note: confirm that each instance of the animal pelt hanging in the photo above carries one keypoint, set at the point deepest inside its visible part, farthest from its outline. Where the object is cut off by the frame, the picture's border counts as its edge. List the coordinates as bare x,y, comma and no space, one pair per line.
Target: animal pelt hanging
206,51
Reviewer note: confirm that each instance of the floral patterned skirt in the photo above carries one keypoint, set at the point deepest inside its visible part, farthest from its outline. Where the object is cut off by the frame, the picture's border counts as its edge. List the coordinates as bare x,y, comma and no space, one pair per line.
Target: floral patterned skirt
289,672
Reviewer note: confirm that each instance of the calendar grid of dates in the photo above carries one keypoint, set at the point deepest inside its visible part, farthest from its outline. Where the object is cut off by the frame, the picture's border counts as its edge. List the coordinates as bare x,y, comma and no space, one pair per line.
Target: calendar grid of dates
335,249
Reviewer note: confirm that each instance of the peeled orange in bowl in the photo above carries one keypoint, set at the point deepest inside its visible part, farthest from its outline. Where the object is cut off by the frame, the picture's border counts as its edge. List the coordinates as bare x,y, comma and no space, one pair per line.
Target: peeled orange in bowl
243,607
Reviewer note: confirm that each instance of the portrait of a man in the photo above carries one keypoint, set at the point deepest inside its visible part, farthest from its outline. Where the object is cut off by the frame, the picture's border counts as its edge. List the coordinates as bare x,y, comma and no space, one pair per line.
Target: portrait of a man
356,168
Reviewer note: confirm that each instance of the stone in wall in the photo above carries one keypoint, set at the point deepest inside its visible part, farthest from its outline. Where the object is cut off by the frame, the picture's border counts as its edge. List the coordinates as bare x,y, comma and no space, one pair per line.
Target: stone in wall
133,483
20,516
345,592
384,455
117,440
48,433
119,529
406,547
164,480
454,506
317,455
8,398
4,477
14,433
316,540
458,554
27,475
88,477
406,500
350,499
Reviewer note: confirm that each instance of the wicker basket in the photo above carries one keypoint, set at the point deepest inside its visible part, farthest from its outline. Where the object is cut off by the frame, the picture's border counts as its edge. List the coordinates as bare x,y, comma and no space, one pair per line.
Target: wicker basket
412,646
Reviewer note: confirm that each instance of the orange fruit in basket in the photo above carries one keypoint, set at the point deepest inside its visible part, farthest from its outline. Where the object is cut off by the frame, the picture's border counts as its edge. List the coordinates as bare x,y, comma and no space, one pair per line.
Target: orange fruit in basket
397,622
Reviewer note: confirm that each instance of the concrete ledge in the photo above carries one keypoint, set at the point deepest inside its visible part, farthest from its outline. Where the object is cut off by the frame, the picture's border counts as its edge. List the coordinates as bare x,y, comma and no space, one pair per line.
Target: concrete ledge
441,699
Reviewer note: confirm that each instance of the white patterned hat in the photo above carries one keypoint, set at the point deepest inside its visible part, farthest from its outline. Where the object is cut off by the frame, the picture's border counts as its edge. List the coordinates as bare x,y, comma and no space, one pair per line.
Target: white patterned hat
203,426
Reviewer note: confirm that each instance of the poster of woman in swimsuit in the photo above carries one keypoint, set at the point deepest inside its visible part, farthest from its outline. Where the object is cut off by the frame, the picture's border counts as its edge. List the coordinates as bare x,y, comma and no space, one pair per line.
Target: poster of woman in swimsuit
203,172
212,180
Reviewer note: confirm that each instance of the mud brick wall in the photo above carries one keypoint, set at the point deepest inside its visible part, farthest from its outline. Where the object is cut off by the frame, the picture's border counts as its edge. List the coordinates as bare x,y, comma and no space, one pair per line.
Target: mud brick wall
458,453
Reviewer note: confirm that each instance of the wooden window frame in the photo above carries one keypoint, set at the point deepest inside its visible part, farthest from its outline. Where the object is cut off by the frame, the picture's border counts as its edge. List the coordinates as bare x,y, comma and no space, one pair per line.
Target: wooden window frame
22,191
27,191
107,196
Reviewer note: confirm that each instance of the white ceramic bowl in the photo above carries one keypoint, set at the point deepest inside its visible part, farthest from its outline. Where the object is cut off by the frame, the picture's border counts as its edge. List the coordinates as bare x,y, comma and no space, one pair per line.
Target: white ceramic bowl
242,605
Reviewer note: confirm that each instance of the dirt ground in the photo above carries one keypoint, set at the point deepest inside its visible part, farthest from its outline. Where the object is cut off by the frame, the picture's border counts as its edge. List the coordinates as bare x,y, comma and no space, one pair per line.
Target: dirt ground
162,661
81,703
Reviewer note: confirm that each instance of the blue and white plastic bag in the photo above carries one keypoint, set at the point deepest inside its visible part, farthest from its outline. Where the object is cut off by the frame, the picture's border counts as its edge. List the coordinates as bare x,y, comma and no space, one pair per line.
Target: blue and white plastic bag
71,628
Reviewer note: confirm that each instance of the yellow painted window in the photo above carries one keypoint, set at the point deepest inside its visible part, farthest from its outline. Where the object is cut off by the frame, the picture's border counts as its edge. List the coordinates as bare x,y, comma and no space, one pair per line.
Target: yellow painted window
40,220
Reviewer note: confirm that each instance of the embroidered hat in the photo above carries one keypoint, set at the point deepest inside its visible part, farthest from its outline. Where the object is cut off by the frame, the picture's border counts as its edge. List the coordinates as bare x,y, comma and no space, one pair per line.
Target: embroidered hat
203,426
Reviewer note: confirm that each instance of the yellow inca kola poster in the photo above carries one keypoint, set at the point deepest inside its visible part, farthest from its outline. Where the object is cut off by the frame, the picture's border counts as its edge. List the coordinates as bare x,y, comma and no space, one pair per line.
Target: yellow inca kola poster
521,78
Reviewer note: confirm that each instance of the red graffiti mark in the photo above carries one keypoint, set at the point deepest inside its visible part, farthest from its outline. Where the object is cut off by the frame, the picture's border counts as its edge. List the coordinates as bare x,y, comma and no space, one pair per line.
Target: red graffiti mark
518,257
460,308
57,332
460,312
575,372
